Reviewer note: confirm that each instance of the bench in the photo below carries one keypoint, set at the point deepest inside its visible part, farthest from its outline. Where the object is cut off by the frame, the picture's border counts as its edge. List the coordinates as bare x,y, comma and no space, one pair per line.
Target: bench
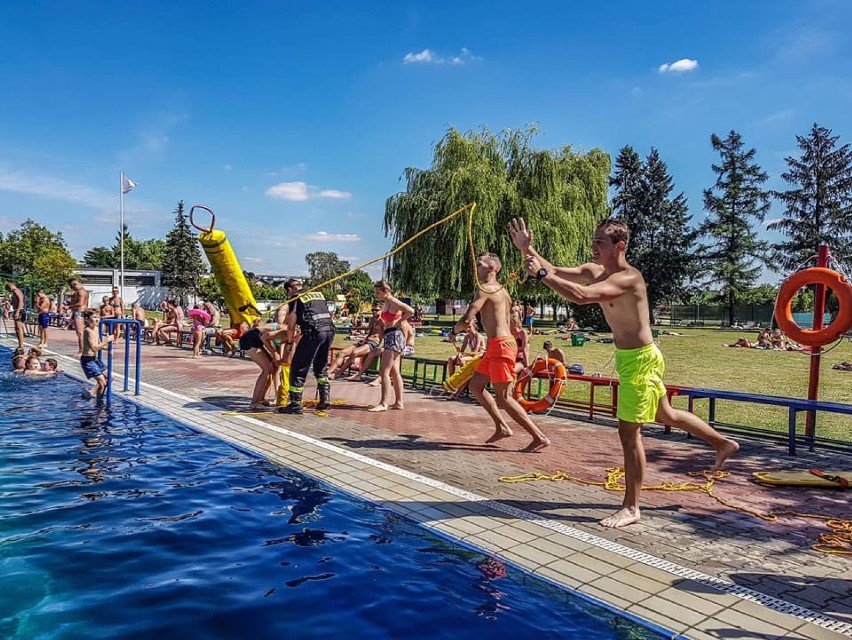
609,409
426,372
794,407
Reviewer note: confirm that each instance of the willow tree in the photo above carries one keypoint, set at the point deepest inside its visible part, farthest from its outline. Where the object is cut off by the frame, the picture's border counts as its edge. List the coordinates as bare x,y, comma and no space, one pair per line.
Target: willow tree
561,194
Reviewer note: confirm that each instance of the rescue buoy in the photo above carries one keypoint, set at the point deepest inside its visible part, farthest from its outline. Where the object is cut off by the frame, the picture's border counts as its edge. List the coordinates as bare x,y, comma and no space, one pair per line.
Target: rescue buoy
541,368
784,306
227,271
462,375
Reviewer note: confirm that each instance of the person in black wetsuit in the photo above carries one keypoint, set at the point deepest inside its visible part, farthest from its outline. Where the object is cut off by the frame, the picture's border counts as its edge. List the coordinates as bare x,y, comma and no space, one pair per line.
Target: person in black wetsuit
310,312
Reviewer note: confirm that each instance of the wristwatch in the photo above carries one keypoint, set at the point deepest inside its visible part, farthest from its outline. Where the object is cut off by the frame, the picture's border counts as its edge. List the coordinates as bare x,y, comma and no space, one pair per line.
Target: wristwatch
542,273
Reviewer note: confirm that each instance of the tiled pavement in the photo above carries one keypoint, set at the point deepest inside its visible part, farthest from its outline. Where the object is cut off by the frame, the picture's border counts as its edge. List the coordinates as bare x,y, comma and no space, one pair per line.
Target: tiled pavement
692,565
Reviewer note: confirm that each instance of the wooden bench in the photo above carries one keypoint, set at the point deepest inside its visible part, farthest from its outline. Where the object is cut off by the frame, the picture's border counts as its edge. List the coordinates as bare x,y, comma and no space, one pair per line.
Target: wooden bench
794,407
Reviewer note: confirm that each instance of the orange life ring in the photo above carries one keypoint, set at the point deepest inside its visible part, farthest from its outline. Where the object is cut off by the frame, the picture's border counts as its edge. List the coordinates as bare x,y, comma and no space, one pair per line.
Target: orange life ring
541,368
784,306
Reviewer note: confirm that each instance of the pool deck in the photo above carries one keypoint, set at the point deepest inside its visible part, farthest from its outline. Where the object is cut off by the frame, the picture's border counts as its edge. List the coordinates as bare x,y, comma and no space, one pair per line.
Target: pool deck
692,565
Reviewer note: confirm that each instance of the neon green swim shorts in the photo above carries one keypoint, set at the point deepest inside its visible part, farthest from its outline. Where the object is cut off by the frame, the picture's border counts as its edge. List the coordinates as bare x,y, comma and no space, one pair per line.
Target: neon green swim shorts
640,383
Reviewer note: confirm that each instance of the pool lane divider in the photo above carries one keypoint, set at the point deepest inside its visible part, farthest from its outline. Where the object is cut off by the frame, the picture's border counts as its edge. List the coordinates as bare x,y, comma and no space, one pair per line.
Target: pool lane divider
744,593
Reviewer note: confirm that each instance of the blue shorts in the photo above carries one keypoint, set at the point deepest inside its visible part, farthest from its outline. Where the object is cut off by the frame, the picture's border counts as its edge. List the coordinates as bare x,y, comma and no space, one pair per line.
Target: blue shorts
91,367
44,320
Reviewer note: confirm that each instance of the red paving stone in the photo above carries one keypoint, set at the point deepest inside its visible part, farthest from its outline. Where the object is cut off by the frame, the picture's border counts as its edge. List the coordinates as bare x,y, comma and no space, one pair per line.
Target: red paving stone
446,440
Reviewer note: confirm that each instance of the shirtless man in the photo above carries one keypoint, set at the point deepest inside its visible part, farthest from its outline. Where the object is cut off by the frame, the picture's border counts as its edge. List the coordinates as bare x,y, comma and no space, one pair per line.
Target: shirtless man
139,313
78,302
493,304
42,305
554,353
370,343
620,290
117,305
17,311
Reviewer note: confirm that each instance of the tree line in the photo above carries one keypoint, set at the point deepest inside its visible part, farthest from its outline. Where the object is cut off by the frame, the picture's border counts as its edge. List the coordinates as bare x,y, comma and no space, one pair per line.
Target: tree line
563,194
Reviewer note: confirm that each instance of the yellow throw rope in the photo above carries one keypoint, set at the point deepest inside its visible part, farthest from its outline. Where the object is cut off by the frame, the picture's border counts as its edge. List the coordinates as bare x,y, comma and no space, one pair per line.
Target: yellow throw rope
837,542
470,208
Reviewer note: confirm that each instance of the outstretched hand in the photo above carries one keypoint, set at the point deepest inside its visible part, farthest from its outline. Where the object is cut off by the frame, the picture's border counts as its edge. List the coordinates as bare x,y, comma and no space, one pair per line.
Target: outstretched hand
521,236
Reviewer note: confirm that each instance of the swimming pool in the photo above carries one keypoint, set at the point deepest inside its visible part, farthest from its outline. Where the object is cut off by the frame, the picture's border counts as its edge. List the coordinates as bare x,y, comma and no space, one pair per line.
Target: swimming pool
117,522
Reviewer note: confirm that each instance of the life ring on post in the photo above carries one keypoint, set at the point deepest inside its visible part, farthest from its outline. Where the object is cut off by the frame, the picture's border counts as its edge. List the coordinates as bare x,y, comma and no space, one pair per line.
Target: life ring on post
541,368
784,306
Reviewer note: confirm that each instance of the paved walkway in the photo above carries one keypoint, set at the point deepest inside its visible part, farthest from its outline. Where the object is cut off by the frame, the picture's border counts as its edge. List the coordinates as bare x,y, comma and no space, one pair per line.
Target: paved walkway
692,565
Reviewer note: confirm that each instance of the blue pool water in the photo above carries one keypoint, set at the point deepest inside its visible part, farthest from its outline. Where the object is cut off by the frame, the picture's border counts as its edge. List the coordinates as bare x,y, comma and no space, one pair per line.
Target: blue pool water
119,523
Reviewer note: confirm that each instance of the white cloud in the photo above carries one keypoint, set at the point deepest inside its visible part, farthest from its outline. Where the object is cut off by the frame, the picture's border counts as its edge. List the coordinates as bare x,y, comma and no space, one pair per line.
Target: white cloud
324,236
54,189
251,260
334,193
295,191
427,56
679,66
301,191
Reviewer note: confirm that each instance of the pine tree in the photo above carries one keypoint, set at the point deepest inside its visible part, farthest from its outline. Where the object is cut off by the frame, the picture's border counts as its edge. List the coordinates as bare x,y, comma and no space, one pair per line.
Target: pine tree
818,209
660,236
182,264
732,260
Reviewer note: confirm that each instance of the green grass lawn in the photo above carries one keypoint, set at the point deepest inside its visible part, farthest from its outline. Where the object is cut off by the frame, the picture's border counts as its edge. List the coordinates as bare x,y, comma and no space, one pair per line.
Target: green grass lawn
698,359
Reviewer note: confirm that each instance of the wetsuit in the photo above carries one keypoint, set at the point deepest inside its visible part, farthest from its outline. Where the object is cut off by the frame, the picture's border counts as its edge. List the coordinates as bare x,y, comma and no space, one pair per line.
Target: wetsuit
314,320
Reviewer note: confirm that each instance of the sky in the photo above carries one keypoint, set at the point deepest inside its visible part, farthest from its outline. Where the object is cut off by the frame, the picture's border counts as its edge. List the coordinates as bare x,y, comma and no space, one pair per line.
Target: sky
294,121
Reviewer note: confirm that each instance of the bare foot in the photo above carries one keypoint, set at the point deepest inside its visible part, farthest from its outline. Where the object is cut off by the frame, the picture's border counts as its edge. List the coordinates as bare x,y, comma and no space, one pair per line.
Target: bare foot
78,354
536,445
499,433
378,407
375,383
397,405
355,378
195,356
622,518
729,448
87,395
257,407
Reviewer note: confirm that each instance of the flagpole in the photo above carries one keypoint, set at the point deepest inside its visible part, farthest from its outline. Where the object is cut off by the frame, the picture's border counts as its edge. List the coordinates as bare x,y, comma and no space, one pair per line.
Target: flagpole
121,196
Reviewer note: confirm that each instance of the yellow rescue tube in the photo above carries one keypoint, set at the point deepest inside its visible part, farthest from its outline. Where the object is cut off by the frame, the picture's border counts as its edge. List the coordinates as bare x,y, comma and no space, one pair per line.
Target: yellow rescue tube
227,271
462,375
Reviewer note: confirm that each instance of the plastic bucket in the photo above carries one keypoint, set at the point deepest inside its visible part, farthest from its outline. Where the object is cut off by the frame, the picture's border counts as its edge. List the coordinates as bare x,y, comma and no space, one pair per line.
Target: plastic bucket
578,339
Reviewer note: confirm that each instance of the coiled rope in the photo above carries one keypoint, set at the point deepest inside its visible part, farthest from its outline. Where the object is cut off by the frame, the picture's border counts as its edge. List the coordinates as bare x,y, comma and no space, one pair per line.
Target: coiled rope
839,541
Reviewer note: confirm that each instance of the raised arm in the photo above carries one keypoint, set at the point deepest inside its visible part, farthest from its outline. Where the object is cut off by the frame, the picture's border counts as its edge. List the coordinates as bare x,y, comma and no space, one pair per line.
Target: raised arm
470,313
611,288
522,239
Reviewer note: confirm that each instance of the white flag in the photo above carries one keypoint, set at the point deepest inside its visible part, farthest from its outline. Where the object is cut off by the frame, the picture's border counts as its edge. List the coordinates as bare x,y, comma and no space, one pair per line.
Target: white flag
126,184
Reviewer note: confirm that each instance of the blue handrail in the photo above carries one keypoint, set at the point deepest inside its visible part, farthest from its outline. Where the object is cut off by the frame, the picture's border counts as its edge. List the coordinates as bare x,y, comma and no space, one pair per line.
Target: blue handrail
110,324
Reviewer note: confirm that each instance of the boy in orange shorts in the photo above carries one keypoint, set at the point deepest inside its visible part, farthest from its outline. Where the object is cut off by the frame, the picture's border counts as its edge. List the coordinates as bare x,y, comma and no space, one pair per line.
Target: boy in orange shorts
493,304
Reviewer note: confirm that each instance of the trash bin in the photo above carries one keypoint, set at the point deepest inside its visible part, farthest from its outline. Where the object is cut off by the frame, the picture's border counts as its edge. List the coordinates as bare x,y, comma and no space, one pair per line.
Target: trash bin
655,333
578,339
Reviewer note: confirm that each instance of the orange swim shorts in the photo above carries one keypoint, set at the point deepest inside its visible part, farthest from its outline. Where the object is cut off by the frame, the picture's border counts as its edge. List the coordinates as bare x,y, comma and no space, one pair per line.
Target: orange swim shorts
498,363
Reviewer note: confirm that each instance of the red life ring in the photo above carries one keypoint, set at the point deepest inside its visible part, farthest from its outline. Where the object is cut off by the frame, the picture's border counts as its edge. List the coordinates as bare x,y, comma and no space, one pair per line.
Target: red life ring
784,313
541,368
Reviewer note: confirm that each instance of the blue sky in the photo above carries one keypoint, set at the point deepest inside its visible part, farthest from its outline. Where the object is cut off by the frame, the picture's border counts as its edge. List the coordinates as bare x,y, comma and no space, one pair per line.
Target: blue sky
295,121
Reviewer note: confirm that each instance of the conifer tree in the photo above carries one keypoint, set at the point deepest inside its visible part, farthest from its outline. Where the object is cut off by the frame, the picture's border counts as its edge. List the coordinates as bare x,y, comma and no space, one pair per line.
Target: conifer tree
660,236
818,207
736,200
182,264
